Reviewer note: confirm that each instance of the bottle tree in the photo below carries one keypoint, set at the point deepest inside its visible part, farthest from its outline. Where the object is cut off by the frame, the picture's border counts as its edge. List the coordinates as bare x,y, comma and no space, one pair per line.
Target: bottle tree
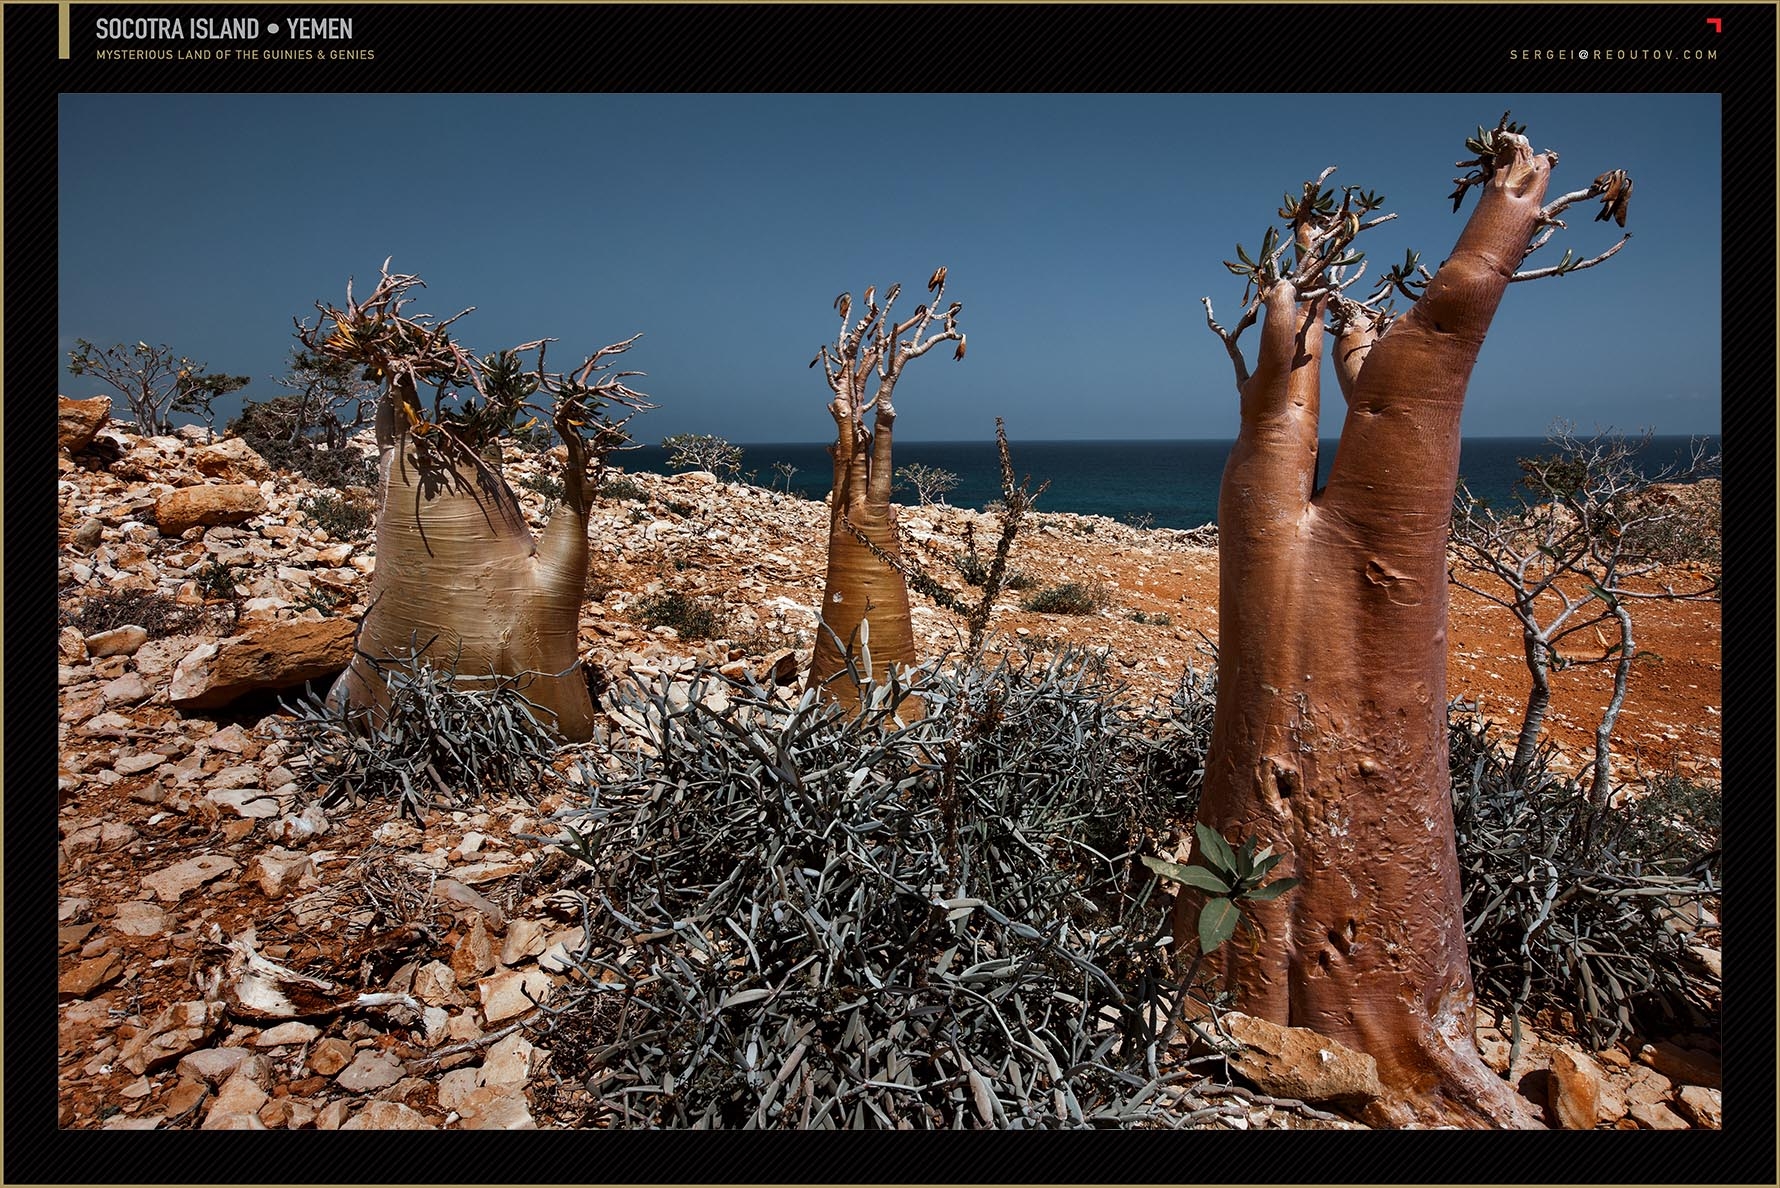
1329,740
460,583
865,628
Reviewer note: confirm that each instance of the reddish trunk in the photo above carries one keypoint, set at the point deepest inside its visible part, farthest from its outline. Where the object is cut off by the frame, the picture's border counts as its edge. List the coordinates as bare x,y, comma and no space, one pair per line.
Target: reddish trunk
1330,735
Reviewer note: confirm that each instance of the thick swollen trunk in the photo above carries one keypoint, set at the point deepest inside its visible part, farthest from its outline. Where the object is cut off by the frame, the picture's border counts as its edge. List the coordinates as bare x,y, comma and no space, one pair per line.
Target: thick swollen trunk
460,581
1329,740
862,586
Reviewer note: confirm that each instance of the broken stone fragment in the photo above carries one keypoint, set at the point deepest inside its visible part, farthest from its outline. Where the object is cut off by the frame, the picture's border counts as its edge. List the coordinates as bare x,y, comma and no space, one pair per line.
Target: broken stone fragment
79,421
505,994
370,1071
207,505
231,459
119,641
179,1029
474,955
138,917
1575,1090
1299,1063
330,1056
1702,1106
173,883
387,1115
278,871
86,977
272,657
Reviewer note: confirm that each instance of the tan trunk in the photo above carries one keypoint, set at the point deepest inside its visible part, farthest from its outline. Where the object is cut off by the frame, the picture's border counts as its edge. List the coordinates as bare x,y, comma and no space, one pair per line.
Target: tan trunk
861,586
1329,740
460,580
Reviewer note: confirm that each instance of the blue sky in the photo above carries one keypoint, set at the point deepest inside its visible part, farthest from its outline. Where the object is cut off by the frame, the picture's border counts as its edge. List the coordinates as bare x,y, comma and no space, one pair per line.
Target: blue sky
1080,232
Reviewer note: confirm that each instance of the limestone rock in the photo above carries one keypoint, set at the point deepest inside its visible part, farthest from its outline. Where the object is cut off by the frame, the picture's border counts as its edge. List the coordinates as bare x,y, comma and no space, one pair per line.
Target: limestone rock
388,1115
71,646
173,883
255,803
240,1097
508,1063
330,1056
175,1031
436,985
1654,1115
474,955
525,938
214,1065
208,505
275,656
496,1107
79,421
89,975
1299,1063
1705,1107
370,1071
1683,1065
293,1032
138,917
232,460
119,641
504,995
1575,1090
278,870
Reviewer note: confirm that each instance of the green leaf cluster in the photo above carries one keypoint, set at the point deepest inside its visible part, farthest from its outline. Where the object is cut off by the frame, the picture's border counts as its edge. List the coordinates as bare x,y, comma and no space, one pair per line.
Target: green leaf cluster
1228,877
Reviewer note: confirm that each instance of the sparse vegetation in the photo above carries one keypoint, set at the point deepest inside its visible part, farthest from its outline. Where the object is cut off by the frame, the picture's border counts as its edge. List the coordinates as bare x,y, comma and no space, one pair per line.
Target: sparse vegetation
1572,904
1070,598
690,617
547,485
931,484
1153,618
153,381
622,486
1573,556
157,613
339,517
441,742
274,430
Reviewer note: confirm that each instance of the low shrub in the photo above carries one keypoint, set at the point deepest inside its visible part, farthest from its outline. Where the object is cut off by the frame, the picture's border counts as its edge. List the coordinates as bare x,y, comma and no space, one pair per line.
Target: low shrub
690,617
547,485
442,743
340,518
800,918
1071,598
157,613
623,487
1572,905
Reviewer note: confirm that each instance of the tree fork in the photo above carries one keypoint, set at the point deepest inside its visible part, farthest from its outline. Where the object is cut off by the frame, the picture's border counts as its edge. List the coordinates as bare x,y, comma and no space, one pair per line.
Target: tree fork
1329,739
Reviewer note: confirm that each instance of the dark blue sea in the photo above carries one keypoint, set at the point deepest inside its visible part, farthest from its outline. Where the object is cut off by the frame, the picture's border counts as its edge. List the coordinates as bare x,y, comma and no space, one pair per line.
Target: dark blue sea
1174,483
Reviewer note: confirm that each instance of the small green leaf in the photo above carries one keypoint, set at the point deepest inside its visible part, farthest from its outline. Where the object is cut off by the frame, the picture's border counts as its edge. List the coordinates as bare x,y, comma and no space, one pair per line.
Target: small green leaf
1192,876
1272,890
1217,923
1265,862
1215,849
1245,857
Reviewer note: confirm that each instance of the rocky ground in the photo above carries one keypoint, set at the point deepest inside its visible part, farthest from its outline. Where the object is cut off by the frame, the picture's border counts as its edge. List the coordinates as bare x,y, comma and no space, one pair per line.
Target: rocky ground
219,933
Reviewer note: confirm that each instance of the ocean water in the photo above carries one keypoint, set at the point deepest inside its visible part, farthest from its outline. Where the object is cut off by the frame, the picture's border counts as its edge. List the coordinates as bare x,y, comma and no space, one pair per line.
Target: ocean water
1175,483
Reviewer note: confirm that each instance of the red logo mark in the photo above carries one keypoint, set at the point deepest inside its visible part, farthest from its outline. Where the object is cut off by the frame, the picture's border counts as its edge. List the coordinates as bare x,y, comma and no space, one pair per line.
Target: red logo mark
1717,24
